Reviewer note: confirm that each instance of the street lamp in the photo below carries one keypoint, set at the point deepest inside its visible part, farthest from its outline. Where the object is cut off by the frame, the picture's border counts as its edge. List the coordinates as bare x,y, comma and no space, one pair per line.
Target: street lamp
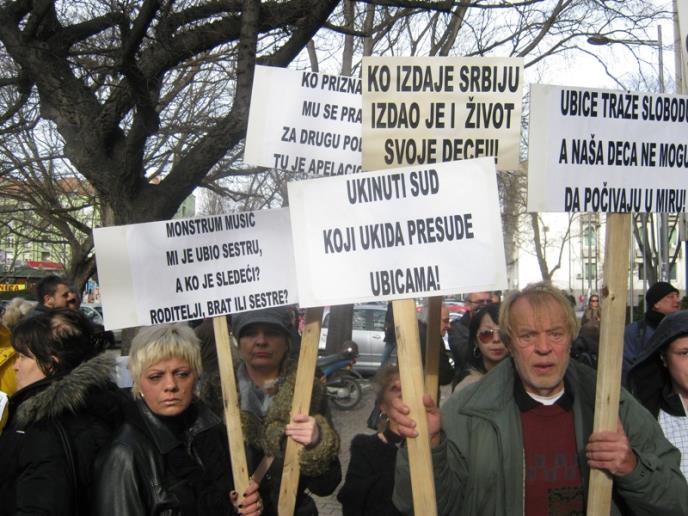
601,40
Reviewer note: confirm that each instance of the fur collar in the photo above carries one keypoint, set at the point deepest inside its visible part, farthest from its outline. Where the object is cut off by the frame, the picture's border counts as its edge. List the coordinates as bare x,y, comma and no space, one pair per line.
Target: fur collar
68,393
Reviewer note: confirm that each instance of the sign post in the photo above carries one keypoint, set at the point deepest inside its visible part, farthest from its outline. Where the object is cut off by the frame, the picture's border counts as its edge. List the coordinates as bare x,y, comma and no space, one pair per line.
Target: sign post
232,411
301,403
432,348
411,375
613,298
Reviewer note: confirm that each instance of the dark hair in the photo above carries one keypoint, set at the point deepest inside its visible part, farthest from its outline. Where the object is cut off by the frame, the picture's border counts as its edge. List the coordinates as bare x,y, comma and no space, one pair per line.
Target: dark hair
493,311
48,286
59,340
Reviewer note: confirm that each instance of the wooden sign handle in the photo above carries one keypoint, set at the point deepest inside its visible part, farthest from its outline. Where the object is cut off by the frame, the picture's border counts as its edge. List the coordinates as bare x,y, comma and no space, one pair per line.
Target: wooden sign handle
411,374
610,354
232,411
432,348
301,403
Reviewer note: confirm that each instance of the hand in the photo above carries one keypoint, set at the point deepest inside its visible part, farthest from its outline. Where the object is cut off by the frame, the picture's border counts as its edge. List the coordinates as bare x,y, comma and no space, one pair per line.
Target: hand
303,429
406,426
250,504
611,452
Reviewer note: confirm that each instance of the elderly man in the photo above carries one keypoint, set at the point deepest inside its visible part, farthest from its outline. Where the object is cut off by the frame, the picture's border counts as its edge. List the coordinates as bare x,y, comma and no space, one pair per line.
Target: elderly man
520,441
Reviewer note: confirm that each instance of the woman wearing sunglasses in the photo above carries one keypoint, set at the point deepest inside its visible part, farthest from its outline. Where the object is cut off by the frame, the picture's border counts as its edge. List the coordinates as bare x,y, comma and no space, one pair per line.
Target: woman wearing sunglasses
488,349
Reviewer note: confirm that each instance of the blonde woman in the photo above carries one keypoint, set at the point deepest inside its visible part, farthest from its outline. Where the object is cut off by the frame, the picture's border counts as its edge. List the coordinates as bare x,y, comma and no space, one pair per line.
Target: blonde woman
170,456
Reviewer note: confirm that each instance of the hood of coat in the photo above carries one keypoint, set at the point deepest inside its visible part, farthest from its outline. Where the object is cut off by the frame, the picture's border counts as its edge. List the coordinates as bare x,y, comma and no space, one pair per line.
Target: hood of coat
648,378
672,326
66,393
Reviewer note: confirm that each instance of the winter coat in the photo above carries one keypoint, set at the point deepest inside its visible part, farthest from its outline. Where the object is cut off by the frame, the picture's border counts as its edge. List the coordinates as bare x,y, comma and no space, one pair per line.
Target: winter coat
320,467
649,379
56,427
8,382
651,383
140,472
479,463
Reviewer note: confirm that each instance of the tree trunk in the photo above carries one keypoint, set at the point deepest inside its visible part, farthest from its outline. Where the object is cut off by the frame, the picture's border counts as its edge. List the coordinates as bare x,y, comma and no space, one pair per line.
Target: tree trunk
339,328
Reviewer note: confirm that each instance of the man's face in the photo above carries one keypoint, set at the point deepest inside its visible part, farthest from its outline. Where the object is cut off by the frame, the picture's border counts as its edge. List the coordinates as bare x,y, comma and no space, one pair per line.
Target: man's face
540,346
444,321
60,299
477,300
668,304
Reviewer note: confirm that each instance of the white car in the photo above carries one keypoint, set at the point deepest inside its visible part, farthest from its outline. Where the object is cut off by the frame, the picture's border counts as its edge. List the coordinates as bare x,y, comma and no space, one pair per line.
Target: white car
368,331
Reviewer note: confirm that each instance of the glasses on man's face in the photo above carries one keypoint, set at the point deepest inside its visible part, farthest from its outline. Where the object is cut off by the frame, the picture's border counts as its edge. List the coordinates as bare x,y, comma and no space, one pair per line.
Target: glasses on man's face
486,336
480,302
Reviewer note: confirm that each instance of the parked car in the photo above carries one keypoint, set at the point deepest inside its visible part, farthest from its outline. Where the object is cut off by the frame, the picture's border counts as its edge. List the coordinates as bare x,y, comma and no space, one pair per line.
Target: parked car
368,331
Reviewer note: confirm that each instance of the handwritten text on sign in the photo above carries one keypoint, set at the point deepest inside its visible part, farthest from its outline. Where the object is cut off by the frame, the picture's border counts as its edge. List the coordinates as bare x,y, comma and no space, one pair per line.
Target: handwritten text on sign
304,122
398,233
185,269
426,110
607,151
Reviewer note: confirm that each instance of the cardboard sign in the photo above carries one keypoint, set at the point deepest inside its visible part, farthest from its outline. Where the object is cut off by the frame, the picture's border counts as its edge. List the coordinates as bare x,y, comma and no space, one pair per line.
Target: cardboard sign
178,270
607,151
420,110
304,122
398,233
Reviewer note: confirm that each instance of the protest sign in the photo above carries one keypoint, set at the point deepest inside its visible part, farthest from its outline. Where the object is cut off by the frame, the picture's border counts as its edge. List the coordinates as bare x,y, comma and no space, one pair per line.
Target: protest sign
399,233
304,122
177,270
421,110
606,151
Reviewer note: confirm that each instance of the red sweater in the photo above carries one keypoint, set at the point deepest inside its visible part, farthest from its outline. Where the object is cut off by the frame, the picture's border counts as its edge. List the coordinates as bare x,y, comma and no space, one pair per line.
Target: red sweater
553,484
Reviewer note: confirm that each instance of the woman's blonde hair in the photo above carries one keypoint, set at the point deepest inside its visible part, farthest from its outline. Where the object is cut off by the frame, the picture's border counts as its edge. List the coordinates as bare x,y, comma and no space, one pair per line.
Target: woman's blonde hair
16,310
156,343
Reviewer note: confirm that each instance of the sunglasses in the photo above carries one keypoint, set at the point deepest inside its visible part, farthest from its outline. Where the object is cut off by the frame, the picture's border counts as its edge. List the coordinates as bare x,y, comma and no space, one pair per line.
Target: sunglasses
486,336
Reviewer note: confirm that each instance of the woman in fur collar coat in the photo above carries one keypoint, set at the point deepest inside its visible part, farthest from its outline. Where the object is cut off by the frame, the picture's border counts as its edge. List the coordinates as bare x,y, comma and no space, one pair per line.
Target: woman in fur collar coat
266,381
63,412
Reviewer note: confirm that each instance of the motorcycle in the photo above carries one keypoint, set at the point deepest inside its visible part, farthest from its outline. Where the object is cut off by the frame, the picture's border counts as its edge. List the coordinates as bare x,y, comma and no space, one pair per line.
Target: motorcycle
343,388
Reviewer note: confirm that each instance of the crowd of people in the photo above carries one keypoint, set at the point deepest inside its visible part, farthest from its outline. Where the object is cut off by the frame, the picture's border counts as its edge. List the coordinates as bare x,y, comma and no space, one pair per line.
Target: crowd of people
515,436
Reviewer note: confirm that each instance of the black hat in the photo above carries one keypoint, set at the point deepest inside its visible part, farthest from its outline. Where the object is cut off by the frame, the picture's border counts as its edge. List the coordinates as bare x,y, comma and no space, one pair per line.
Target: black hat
657,291
278,316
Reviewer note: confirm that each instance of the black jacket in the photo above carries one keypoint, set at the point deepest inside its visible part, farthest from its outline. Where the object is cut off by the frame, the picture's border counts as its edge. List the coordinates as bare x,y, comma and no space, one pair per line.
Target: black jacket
56,428
148,470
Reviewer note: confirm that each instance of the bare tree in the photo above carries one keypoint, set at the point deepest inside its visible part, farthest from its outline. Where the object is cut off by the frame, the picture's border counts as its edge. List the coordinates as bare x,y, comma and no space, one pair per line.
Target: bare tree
159,89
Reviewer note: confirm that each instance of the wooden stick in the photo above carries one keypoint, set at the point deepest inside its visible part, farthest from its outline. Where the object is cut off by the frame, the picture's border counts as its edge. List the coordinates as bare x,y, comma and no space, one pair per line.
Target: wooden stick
301,404
432,348
411,373
610,355
232,412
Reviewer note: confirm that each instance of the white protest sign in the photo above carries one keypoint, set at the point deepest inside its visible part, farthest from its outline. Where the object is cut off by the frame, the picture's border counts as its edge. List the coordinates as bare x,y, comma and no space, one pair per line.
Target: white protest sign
304,122
398,233
606,151
185,269
420,110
